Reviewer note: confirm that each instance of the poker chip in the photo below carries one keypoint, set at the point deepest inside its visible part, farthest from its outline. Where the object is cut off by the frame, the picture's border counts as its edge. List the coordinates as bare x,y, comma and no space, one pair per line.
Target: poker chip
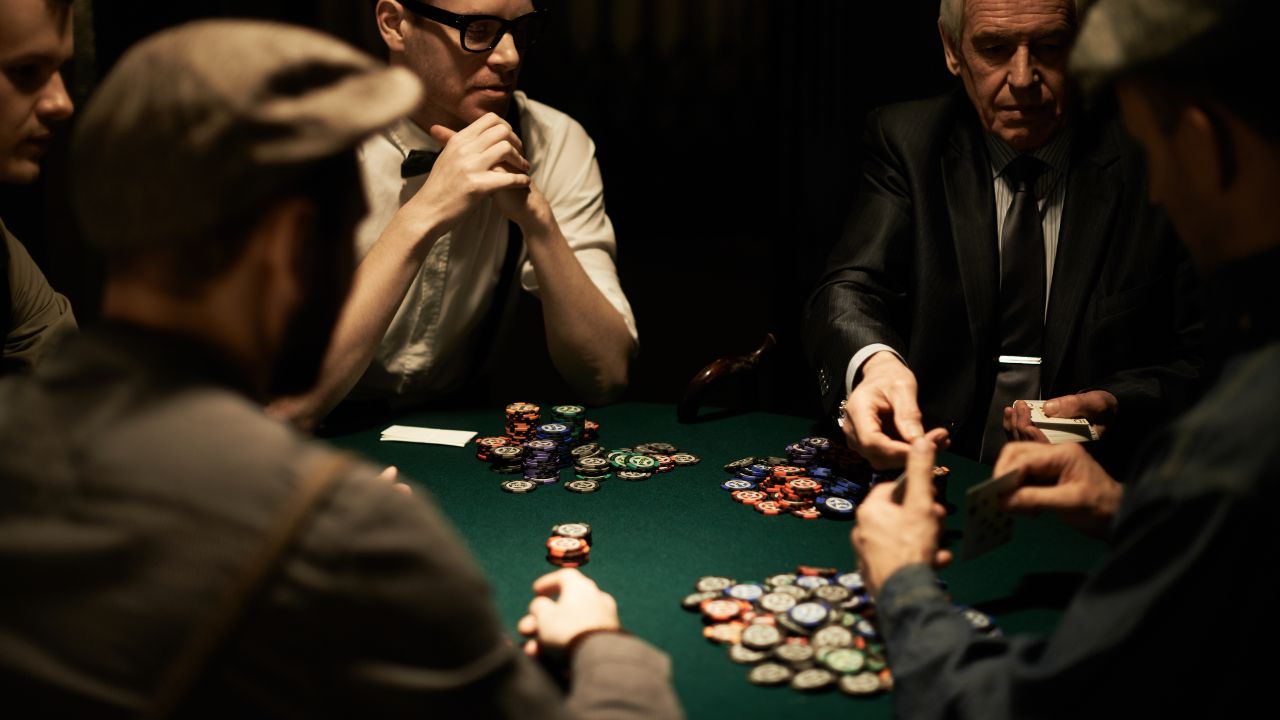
519,487
727,633
832,594
582,486
977,620
693,601
851,580
745,591
713,583
813,680
796,655
811,582
579,530
832,636
761,637
633,475
860,684
769,674
685,459
795,591
746,656
776,602
809,614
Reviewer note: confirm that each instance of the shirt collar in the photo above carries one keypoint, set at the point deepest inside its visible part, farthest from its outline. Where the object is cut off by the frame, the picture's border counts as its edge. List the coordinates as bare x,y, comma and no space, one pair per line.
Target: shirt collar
406,135
1054,153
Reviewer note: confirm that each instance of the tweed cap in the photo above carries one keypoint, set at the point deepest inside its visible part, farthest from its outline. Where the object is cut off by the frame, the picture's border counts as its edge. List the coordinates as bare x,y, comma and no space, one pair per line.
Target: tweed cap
1122,36
204,122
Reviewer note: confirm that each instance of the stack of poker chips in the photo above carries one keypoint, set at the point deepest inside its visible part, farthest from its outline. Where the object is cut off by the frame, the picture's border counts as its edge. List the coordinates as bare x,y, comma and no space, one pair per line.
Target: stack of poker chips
541,461
522,421
573,417
569,545
812,629
562,437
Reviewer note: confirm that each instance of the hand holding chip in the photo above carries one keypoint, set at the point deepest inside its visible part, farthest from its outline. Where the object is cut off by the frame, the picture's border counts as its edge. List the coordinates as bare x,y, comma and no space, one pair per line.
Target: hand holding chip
1081,491
889,535
568,605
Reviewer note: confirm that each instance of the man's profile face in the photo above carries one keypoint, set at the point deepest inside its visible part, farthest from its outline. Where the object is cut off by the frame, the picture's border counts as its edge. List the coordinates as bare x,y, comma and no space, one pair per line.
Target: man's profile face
462,86
1183,192
35,41
1012,58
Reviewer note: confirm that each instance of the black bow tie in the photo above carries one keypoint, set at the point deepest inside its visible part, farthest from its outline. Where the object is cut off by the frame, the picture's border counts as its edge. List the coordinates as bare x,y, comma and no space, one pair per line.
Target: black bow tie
418,162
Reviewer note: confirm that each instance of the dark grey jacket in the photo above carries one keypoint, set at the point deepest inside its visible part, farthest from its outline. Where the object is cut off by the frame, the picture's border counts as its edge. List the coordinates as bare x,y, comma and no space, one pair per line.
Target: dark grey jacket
135,482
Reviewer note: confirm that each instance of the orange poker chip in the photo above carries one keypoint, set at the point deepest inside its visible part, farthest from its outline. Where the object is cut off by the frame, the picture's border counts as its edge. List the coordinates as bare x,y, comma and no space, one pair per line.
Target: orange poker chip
721,610
558,546
727,633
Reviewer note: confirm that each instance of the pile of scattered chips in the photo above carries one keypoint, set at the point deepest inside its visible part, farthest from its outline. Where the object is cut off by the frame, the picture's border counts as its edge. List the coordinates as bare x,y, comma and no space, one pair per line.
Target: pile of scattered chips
812,629
816,479
569,545
539,452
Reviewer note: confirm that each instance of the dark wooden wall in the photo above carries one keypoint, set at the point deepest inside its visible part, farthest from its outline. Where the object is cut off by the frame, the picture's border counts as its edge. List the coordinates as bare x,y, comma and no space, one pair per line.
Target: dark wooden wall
727,132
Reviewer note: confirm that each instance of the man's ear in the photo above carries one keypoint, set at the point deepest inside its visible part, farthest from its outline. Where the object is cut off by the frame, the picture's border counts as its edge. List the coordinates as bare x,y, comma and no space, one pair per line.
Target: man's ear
390,17
280,237
949,51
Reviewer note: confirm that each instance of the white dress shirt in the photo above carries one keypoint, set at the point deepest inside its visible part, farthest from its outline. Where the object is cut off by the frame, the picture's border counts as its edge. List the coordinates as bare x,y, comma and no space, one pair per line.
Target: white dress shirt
1051,193
430,345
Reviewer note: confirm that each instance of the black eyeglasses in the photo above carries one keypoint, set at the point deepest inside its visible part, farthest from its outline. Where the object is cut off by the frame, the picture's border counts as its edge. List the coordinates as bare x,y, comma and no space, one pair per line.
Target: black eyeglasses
482,33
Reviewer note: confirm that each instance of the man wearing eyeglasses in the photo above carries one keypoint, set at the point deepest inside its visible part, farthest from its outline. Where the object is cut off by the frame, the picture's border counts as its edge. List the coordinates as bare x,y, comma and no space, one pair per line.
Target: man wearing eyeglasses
481,194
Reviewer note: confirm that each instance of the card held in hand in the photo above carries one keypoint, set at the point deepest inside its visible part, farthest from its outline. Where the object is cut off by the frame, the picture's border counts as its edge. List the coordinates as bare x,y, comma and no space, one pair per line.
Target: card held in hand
986,526
1060,430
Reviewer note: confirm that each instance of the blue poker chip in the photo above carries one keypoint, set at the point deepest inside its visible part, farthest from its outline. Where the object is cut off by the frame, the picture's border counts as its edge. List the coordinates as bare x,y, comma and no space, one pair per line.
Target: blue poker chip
864,628
737,484
835,507
745,591
809,614
759,470
809,582
820,473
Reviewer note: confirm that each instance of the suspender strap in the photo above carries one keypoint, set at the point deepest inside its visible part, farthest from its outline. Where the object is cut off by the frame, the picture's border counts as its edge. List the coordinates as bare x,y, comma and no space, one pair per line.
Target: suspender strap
209,636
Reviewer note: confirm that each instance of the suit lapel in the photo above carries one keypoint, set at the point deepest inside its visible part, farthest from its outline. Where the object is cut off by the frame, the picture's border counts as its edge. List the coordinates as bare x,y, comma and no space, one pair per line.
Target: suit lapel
966,174
1093,188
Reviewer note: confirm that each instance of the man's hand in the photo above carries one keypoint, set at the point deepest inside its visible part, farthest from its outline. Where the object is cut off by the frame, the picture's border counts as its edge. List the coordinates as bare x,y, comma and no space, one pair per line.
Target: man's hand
479,160
1082,492
553,622
889,536
1097,406
881,414
391,474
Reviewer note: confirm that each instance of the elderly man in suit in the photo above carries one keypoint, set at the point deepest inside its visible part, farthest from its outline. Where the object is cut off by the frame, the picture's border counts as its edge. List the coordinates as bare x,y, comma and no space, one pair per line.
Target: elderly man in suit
1002,255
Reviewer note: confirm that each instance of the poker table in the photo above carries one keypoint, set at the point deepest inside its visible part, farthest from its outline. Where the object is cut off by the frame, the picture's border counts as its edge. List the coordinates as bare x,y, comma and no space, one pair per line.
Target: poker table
653,539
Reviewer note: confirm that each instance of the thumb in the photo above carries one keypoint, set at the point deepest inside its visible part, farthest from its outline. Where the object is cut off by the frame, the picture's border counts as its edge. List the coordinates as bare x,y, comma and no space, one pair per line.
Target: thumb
1067,406
441,133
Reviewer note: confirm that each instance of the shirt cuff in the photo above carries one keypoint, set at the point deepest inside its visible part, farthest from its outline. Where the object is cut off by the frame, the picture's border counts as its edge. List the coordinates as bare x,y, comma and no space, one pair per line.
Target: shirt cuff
910,586
860,357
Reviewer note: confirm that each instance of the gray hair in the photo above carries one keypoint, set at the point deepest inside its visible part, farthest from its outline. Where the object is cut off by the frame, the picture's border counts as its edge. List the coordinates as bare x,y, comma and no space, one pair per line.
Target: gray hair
951,16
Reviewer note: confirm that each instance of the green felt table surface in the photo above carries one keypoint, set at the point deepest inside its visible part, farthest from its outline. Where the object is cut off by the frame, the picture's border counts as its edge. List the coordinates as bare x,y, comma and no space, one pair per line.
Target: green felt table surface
654,539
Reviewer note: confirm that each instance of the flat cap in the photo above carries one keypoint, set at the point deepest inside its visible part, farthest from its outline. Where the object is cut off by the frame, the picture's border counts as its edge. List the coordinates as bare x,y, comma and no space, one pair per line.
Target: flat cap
203,122
1121,36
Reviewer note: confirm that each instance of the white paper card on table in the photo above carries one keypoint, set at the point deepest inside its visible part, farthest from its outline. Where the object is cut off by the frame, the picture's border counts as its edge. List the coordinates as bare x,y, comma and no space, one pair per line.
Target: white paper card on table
1060,430
429,436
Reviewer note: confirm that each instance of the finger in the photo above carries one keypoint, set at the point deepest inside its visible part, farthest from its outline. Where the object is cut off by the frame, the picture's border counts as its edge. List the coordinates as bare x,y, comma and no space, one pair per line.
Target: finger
441,133
531,648
906,413
496,180
942,558
499,134
1010,425
541,605
403,489
939,511
528,625
878,448
1022,417
389,474
940,437
919,478
554,583
1029,499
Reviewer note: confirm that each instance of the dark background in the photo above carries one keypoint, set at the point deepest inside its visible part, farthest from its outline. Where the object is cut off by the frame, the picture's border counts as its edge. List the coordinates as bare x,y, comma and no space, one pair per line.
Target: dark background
727,132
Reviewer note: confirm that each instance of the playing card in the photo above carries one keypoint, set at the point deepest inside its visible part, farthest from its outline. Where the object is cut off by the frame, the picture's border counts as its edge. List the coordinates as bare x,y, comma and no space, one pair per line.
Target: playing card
986,526
1060,430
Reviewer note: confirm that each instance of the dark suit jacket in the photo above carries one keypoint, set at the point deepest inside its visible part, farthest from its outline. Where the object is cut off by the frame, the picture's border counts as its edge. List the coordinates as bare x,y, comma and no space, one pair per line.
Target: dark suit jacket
918,269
